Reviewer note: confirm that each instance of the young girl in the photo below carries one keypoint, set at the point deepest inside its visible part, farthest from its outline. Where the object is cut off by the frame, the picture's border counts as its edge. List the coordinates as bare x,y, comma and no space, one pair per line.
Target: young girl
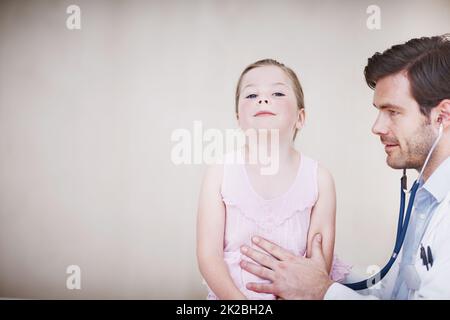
238,202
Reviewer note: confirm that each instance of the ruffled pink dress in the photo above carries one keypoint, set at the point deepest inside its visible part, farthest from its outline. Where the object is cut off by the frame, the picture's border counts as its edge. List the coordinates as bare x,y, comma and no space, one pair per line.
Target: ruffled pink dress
283,220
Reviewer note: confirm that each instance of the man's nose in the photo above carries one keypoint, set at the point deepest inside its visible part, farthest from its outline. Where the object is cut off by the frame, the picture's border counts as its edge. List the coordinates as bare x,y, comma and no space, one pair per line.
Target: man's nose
379,127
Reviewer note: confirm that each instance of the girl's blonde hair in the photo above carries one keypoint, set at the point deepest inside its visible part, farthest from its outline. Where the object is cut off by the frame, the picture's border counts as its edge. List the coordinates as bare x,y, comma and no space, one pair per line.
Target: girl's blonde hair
298,91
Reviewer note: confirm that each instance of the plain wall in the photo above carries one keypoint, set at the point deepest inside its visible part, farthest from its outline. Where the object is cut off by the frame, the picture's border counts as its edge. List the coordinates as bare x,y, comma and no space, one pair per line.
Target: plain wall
86,118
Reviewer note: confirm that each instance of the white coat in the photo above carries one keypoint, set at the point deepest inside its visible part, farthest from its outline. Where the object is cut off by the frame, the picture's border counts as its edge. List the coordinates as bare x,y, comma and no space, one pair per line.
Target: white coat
434,284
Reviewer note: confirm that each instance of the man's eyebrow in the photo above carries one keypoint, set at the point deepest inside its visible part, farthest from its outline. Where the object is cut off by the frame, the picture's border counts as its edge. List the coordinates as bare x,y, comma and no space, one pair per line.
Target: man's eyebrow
387,106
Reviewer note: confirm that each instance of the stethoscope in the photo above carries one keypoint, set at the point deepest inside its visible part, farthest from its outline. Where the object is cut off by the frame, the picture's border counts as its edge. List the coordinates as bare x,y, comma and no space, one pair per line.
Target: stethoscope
403,221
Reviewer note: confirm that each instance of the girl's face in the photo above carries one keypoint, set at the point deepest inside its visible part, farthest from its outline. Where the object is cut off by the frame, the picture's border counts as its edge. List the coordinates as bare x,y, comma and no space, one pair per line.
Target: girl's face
267,101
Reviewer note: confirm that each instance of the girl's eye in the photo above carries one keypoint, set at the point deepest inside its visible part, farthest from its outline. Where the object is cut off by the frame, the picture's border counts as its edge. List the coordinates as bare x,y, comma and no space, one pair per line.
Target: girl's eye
279,94
251,96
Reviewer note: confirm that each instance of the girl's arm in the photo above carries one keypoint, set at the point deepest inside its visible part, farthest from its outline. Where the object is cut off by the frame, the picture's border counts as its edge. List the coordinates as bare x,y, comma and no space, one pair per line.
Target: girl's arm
323,216
210,237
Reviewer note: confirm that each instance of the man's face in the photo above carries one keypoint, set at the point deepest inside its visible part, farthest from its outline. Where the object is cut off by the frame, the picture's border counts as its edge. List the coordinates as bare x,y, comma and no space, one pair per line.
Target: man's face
405,132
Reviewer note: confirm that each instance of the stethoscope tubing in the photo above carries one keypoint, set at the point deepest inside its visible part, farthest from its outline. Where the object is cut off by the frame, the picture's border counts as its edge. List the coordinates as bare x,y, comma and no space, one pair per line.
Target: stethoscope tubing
402,227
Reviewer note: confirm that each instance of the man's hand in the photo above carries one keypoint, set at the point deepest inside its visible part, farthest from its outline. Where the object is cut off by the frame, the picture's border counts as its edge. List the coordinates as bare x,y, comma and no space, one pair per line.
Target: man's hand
292,277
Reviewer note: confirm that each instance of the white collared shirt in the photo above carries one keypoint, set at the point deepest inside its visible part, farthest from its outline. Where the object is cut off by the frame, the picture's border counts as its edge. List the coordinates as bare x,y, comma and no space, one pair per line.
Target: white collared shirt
428,284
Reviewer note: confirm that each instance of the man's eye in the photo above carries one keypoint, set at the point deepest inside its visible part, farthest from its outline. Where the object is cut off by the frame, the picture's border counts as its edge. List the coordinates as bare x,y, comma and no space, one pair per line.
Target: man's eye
251,96
279,94
393,112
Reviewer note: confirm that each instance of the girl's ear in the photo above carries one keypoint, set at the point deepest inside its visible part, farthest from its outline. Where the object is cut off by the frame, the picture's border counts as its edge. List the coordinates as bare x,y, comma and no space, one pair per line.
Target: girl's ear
301,119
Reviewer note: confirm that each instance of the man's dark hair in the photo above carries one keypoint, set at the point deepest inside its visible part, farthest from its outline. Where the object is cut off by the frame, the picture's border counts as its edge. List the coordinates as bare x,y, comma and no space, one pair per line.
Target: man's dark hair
427,64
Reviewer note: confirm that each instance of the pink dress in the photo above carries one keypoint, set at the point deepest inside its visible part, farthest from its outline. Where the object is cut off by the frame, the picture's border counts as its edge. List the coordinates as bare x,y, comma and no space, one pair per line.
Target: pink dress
283,220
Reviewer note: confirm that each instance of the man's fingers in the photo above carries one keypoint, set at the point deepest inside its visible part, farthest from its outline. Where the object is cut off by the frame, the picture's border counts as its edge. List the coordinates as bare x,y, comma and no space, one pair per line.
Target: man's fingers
259,257
316,249
260,271
272,249
261,287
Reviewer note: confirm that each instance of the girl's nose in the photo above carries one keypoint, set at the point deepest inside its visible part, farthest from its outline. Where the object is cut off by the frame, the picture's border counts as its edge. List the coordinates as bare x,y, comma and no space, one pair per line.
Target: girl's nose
260,101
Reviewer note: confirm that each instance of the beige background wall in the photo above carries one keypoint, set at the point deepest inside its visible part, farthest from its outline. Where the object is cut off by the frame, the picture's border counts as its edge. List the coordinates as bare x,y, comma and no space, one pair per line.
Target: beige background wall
86,118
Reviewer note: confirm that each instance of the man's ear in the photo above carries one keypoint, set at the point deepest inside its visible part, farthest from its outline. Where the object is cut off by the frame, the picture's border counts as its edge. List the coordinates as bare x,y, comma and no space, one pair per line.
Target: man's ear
443,113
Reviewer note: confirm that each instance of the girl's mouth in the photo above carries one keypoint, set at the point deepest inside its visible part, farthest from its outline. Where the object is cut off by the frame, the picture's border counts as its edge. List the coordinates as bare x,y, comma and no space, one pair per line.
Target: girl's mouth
264,113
